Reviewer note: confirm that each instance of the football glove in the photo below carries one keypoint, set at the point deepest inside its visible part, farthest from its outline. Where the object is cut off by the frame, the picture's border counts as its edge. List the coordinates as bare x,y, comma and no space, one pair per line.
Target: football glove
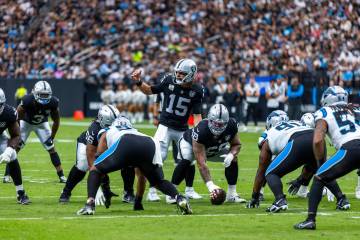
211,186
227,159
137,204
330,196
100,198
254,202
294,187
5,157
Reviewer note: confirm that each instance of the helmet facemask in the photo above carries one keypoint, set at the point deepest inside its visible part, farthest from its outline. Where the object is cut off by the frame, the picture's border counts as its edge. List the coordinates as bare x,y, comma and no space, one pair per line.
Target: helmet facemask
217,127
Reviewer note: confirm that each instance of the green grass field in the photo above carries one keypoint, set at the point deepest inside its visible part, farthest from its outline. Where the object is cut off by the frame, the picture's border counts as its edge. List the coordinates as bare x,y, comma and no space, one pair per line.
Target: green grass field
45,218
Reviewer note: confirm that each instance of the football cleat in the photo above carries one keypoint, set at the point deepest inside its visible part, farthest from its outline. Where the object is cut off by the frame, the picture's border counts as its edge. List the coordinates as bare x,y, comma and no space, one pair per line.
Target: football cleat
278,205
62,179
183,205
7,179
152,195
261,197
64,197
88,209
234,198
22,198
128,197
357,192
343,204
307,225
170,200
191,194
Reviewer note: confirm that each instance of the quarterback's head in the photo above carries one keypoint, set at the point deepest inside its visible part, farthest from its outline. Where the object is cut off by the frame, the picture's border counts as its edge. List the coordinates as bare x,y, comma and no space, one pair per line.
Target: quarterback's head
2,100
42,92
106,115
333,96
276,117
185,71
308,120
218,118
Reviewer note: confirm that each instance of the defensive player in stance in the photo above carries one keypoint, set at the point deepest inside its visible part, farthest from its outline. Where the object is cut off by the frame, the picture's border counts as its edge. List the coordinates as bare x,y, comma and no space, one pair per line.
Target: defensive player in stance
341,122
291,143
87,143
34,110
207,141
180,97
8,120
121,146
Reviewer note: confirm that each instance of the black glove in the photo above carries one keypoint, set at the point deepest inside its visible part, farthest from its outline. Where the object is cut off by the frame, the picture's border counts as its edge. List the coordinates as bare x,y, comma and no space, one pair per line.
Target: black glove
254,202
108,194
137,204
294,186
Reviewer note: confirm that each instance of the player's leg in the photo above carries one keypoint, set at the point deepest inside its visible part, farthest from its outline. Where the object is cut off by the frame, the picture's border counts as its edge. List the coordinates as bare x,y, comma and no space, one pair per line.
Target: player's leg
357,189
43,132
231,175
7,178
128,176
76,174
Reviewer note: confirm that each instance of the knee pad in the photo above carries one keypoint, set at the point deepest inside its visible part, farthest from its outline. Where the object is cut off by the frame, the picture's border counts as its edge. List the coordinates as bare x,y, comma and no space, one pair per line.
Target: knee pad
21,144
48,144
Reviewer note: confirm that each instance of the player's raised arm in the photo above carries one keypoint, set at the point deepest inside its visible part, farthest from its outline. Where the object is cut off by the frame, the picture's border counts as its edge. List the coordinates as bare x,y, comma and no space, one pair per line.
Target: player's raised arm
144,87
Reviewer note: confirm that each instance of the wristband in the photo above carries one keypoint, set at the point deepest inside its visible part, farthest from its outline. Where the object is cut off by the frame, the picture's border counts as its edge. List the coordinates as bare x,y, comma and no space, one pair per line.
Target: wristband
211,186
139,83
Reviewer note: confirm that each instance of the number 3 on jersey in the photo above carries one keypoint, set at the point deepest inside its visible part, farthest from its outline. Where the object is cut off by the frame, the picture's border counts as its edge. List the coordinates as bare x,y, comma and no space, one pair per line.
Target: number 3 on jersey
181,105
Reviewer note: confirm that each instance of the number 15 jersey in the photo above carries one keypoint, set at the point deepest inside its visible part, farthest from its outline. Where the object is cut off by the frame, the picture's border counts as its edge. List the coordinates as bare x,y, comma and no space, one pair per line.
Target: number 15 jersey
343,124
177,102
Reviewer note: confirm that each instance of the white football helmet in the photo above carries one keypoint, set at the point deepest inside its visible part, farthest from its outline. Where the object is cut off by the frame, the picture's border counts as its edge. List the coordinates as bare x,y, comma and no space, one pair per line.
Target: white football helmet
218,118
122,123
2,100
188,67
276,117
106,115
42,92
308,120
333,96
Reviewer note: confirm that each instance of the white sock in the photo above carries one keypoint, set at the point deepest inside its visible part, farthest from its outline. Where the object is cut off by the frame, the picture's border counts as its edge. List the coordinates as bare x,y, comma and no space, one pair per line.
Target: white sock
189,189
19,188
231,189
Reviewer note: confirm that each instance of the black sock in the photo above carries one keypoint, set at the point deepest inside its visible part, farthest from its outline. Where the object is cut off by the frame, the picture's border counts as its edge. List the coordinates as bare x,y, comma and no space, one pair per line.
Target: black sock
335,189
315,198
167,188
180,172
231,173
275,185
105,184
7,171
75,176
15,172
55,159
190,175
128,176
93,183
60,173
161,175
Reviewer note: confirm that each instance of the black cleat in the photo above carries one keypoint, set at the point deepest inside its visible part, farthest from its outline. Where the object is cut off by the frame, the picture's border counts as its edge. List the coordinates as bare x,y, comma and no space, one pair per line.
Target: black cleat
64,197
343,204
307,225
278,205
128,197
22,198
183,205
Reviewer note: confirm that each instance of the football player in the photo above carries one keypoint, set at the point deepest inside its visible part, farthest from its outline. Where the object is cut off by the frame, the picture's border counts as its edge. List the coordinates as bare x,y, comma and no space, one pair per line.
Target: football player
181,96
119,148
206,142
87,143
341,122
291,143
34,110
8,120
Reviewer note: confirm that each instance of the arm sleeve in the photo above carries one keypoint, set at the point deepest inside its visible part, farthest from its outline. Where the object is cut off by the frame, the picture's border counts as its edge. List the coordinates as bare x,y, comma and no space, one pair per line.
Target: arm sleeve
158,88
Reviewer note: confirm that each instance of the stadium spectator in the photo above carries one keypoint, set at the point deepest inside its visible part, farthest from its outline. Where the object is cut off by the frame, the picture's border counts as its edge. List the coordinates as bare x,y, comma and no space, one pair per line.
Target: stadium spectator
252,91
272,96
294,94
107,94
232,100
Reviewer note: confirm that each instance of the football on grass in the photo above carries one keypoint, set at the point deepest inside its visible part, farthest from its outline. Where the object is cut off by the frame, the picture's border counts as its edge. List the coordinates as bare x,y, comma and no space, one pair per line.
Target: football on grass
217,196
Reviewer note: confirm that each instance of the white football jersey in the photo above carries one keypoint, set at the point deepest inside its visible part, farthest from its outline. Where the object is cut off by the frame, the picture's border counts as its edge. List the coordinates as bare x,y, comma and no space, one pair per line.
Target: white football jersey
343,126
279,135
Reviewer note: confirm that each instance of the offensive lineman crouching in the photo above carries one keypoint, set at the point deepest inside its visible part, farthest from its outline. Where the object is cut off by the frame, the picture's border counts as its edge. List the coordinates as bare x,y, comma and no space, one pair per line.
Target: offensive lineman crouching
118,148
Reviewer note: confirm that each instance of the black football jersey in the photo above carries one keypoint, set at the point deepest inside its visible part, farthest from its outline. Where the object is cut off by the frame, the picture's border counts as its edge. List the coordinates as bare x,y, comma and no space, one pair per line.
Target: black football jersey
213,144
90,135
7,117
177,102
36,113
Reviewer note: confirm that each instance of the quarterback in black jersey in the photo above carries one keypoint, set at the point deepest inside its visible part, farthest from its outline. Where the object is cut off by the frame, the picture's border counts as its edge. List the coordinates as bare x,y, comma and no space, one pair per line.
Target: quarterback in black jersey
180,97
8,120
34,110
212,137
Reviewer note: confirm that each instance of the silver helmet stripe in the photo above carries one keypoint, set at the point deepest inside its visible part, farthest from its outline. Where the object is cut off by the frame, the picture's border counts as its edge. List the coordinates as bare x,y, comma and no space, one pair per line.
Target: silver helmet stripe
179,63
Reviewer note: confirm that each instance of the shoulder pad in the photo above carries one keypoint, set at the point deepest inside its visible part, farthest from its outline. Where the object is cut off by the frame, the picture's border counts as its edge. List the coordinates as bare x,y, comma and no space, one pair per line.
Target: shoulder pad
262,139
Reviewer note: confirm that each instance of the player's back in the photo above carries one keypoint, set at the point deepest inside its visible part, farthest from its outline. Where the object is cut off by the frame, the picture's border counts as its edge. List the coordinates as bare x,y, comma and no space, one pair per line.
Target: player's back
343,123
279,135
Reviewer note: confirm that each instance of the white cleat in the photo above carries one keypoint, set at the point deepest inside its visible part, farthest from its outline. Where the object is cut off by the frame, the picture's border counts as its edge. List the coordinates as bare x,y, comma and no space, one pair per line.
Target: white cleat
170,200
357,192
234,198
191,194
152,195
302,192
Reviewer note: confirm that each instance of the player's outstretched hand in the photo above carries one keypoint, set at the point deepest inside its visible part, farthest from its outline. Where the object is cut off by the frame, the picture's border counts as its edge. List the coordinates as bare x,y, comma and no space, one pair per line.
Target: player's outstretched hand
254,202
294,187
135,76
100,198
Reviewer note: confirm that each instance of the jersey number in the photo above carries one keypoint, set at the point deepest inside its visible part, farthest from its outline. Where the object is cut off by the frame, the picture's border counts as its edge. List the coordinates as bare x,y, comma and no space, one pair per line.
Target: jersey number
181,105
287,126
344,123
38,119
212,151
